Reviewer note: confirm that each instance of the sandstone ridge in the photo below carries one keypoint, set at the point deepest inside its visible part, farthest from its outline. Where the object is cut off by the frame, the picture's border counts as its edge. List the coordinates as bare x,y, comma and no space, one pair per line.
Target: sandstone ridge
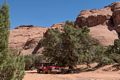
104,25
25,38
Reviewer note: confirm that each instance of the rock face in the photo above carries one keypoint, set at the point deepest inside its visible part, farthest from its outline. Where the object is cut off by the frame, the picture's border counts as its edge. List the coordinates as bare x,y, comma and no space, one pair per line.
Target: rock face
103,35
25,38
114,21
104,25
101,23
94,17
58,26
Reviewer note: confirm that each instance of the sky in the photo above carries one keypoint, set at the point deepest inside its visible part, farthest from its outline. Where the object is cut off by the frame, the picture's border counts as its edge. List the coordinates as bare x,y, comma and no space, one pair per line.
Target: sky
47,12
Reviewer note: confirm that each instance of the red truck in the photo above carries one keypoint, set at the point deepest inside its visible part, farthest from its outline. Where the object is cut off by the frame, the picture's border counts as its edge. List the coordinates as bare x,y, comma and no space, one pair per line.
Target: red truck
49,68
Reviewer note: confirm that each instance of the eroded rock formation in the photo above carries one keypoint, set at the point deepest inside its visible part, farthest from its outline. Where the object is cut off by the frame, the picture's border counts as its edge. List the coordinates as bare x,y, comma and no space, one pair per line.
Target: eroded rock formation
104,25
25,38
114,21
93,17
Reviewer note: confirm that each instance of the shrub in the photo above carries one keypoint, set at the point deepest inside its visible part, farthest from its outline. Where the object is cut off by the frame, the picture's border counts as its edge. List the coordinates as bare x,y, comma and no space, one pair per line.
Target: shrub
31,61
38,59
12,68
113,51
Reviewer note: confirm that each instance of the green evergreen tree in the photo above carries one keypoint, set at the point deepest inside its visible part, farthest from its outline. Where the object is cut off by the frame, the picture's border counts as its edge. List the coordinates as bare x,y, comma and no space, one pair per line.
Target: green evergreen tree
70,46
4,32
61,48
113,52
11,66
4,25
51,43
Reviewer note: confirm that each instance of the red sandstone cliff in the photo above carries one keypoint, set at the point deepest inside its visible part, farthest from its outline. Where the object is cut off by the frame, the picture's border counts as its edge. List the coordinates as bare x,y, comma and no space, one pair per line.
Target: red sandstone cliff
25,38
103,24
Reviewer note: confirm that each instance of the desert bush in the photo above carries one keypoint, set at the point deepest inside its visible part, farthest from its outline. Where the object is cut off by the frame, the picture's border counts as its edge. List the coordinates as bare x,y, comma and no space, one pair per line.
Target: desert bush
101,57
113,52
110,54
11,66
31,61
38,59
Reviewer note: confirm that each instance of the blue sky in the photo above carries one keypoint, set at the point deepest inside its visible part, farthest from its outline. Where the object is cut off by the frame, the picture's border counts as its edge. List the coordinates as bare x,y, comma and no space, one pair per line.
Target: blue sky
47,12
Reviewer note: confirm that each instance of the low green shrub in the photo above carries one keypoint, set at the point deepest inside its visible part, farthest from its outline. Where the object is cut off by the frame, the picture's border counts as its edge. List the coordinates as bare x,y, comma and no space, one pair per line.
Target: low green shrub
12,68
31,61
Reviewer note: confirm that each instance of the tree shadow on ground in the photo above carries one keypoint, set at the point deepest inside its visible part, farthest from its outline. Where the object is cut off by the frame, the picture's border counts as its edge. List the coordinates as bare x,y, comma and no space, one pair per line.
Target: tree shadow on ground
115,67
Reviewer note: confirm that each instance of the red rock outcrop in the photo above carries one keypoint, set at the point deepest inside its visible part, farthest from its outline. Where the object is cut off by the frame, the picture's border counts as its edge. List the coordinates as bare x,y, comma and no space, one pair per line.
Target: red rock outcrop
115,18
93,17
103,35
58,26
101,22
25,38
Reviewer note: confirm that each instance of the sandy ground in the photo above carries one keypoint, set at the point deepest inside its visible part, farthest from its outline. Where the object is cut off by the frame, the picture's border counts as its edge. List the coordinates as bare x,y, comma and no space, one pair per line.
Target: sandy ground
94,75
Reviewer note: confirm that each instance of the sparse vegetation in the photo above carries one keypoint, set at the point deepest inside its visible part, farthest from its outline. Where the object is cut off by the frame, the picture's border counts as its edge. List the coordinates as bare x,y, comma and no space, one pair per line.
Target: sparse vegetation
31,61
113,52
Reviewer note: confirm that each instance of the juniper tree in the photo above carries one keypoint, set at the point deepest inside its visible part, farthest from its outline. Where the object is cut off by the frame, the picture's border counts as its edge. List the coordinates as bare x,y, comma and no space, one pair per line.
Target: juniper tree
60,48
66,48
11,67
113,52
4,25
4,31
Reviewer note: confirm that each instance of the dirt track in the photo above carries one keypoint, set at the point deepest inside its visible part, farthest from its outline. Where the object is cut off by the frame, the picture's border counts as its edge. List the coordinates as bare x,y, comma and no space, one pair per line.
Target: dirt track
95,75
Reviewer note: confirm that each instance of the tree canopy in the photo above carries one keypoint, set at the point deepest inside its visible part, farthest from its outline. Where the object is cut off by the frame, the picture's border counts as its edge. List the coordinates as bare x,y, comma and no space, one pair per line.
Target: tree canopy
70,46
